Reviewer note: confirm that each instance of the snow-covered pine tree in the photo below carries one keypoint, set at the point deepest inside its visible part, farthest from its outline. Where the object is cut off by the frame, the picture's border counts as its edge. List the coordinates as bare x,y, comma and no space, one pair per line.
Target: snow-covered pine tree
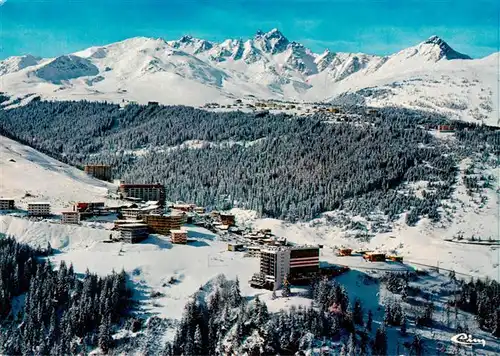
403,326
357,312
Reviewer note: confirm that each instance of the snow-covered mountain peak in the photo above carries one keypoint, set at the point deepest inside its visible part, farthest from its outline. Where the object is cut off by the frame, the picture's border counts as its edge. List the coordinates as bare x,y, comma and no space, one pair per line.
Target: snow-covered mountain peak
430,74
14,64
272,42
433,49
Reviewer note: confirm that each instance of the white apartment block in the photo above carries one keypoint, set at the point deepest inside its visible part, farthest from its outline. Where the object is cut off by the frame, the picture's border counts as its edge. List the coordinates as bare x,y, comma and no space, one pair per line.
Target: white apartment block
70,217
39,209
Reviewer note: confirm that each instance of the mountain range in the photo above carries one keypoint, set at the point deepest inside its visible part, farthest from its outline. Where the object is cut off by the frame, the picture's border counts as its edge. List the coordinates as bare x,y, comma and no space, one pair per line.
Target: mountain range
192,71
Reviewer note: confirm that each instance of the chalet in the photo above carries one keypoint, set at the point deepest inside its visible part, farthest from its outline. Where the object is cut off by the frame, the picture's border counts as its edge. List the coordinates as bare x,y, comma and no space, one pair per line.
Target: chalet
235,247
374,257
345,252
445,128
227,219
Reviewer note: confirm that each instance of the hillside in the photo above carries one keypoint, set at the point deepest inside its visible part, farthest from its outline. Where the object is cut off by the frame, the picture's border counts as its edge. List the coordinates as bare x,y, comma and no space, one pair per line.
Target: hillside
153,264
430,75
28,175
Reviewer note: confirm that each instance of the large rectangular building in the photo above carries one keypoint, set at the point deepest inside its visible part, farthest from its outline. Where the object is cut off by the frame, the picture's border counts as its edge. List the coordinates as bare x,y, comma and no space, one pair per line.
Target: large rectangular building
99,171
296,263
163,224
39,209
133,233
6,204
144,192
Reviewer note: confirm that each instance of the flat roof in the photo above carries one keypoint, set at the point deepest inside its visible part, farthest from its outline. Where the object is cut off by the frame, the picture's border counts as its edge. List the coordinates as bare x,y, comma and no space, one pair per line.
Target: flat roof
134,225
6,198
178,231
39,202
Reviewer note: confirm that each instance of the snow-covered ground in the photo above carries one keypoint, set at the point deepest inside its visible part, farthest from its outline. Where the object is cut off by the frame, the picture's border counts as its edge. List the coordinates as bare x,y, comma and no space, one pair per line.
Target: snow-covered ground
28,175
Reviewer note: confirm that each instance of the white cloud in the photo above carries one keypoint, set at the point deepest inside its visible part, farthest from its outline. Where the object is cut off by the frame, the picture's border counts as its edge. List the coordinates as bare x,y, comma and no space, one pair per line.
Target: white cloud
2,2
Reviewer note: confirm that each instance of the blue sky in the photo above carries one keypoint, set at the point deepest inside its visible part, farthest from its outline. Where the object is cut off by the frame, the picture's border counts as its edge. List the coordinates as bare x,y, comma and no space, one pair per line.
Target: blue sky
54,27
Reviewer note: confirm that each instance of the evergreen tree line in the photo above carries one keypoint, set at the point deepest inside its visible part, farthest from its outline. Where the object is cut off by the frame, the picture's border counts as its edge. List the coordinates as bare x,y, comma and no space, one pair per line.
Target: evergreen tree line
286,167
62,314
221,322
481,298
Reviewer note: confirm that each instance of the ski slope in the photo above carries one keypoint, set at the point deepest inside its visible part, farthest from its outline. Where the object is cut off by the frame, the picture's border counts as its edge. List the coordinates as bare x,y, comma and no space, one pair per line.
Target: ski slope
23,171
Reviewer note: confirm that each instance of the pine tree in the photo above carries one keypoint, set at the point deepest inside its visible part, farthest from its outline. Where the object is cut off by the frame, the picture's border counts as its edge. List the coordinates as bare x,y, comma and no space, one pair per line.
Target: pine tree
167,350
403,326
417,345
198,341
387,315
105,339
496,323
358,312
369,321
351,346
379,347
286,288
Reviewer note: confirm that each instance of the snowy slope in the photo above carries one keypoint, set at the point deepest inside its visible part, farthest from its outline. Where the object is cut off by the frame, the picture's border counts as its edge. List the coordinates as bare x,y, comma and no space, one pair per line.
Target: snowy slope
194,71
25,170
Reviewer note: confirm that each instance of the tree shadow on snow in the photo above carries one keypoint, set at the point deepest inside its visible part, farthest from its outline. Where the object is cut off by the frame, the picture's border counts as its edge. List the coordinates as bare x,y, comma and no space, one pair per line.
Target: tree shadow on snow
200,235
162,243
197,243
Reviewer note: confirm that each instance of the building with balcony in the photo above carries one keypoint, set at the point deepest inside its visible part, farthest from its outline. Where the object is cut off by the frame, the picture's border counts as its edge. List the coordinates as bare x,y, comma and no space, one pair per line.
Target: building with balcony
133,232
39,209
144,192
297,263
70,217
6,204
178,236
99,171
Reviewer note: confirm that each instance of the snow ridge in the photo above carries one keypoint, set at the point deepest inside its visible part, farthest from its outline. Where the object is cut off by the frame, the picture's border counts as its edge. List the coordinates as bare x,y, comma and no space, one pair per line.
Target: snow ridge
193,71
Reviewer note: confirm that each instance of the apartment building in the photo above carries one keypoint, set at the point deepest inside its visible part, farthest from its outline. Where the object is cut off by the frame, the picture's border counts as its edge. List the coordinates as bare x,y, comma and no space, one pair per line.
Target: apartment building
178,236
99,171
296,263
39,209
133,232
70,217
163,224
144,192
6,204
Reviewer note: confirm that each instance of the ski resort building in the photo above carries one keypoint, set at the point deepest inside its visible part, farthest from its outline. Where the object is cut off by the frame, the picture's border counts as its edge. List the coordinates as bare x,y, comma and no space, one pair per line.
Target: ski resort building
89,207
6,204
144,192
298,263
163,224
227,219
133,232
70,217
39,209
99,171
178,236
